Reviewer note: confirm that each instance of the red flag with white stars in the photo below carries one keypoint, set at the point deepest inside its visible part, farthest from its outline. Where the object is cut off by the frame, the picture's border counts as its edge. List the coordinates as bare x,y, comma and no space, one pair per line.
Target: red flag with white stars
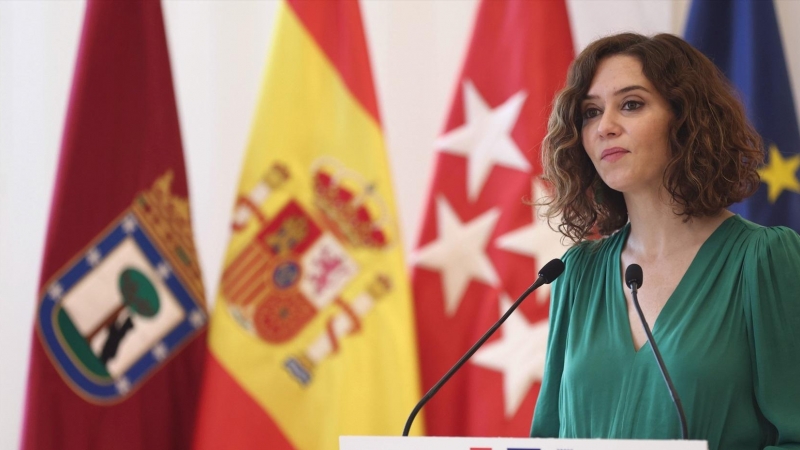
481,243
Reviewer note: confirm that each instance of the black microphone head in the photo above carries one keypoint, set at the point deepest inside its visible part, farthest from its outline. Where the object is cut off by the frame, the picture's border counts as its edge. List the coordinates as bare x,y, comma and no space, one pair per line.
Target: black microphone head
551,270
633,274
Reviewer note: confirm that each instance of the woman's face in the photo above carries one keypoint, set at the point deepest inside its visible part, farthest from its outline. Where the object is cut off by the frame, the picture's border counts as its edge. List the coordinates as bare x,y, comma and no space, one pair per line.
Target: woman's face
626,126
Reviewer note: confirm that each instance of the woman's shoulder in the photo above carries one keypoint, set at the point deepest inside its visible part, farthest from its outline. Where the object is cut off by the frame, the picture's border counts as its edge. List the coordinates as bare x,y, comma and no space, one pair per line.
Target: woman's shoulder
590,255
770,280
768,254
762,241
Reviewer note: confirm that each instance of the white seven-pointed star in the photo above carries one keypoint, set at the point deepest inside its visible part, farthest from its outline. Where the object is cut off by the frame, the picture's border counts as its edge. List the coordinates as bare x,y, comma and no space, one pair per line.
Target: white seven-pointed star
485,138
129,224
519,354
55,291
459,252
197,318
123,385
93,257
160,351
164,270
536,239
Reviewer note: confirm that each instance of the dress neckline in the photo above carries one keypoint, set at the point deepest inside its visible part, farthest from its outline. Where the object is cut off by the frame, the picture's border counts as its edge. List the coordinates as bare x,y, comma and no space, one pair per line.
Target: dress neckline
674,298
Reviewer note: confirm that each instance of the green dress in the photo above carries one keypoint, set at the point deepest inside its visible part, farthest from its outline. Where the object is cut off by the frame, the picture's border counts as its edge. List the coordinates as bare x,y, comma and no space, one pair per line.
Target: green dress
729,336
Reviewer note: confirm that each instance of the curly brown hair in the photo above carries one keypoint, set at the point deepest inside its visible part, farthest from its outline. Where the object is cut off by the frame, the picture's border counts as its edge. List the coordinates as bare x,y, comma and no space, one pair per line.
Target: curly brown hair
714,150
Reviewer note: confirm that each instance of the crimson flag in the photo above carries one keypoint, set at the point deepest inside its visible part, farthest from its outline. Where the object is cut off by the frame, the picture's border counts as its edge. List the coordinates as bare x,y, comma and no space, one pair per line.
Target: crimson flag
120,325
481,244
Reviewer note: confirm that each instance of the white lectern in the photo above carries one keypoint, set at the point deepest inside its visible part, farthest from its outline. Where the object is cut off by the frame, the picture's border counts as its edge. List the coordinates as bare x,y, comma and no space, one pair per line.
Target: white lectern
474,443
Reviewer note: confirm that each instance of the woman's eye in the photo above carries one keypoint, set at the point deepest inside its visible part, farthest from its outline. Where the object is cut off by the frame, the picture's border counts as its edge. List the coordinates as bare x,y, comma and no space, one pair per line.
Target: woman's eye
631,105
590,113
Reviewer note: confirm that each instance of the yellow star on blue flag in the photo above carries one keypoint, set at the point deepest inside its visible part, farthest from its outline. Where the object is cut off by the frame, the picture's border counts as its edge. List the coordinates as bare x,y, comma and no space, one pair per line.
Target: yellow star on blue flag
743,39
780,174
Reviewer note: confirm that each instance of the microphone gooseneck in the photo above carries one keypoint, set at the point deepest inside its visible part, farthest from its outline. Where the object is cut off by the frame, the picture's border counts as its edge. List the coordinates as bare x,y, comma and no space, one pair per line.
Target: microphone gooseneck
549,272
633,279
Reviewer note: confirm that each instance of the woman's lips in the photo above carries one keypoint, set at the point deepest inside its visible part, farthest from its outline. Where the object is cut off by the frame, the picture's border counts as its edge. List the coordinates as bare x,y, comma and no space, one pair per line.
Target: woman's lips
613,154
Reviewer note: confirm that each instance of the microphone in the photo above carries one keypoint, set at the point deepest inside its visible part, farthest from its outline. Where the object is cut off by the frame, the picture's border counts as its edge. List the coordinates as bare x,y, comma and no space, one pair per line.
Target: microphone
549,272
633,278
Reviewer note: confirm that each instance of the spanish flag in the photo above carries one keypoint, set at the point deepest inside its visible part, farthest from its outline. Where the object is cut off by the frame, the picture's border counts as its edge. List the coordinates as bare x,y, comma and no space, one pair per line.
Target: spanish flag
312,334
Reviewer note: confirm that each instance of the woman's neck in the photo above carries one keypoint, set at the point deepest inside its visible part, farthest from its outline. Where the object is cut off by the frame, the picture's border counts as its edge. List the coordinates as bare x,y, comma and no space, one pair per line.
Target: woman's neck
658,232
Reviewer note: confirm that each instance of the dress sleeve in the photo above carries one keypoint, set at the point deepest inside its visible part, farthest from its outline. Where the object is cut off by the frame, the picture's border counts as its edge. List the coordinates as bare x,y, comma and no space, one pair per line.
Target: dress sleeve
546,415
773,319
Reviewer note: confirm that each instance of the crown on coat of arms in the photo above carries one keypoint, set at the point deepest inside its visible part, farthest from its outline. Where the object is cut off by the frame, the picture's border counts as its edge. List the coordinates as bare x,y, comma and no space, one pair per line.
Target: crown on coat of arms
166,217
352,208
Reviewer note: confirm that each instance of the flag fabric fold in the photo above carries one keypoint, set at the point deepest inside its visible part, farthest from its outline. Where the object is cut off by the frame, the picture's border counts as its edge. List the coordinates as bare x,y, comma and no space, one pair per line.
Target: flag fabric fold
481,244
312,334
119,336
743,39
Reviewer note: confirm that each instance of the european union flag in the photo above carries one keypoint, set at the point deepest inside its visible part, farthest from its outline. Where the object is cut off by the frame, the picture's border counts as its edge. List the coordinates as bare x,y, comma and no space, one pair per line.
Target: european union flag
743,40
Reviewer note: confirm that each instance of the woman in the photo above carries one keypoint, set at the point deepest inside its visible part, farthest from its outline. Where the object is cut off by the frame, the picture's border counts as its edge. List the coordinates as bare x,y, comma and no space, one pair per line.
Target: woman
647,145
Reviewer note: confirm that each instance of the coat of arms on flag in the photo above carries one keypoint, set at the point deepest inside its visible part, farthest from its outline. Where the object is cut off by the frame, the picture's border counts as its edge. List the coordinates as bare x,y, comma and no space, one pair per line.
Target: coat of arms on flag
296,263
134,296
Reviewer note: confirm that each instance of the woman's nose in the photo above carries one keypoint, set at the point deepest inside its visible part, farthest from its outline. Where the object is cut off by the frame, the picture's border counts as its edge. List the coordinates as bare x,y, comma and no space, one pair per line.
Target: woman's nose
608,126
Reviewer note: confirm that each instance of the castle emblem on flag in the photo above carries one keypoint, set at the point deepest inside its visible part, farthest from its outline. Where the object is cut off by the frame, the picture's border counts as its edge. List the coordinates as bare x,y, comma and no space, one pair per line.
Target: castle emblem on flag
298,262
120,309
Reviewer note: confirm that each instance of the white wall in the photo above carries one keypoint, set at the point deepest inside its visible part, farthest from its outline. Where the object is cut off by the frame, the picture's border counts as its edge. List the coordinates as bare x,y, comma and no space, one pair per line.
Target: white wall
218,51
